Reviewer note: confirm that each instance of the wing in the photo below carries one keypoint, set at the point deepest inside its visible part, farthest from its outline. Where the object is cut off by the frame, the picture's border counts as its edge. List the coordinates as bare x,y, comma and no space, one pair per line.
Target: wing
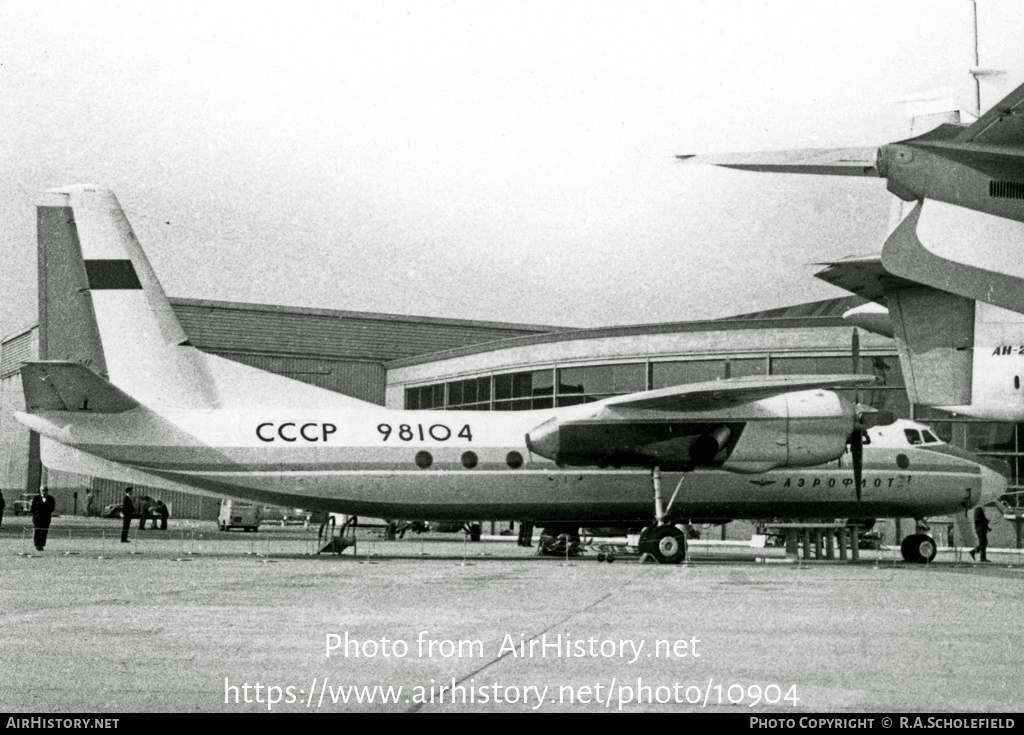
818,161
696,425
721,394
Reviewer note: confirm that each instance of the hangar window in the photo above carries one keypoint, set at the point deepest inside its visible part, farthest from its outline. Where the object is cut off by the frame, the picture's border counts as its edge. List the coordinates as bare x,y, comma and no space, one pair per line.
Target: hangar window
812,365
748,366
468,395
886,368
991,437
666,374
425,397
681,372
587,384
523,391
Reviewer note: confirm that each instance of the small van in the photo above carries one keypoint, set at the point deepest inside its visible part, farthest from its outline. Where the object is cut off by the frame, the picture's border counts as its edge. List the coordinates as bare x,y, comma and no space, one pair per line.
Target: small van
238,514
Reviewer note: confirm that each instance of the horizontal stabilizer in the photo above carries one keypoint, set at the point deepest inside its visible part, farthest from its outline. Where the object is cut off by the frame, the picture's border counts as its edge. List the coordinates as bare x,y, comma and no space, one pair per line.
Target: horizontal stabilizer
70,386
865,276
818,161
718,394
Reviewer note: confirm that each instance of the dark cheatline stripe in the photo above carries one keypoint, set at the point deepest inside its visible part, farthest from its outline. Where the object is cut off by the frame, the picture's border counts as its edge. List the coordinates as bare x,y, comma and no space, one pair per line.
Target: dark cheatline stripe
111,275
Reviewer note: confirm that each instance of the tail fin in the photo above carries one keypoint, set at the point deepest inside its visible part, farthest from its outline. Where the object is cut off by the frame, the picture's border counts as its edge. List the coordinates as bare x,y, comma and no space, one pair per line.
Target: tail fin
101,278
957,352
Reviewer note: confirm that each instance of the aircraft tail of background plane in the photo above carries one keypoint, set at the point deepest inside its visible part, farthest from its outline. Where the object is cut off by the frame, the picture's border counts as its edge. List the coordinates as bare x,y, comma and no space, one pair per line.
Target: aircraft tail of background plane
958,352
99,293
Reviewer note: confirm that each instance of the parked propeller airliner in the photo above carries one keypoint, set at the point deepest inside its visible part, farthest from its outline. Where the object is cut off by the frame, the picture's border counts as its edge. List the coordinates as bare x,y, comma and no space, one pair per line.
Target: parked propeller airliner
155,410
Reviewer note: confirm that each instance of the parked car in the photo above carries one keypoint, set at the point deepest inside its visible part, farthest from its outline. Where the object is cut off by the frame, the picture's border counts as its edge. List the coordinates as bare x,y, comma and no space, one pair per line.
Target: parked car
23,504
114,510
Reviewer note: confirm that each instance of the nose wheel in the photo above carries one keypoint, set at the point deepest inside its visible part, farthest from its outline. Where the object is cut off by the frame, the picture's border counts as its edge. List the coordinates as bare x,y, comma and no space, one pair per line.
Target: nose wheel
918,549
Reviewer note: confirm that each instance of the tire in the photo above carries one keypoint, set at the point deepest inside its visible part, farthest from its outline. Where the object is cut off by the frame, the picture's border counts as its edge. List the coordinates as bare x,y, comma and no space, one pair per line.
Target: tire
667,544
918,549
474,532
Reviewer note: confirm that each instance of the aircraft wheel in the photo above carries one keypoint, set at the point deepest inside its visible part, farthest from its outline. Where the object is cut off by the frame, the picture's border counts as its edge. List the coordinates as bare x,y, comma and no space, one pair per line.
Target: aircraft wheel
474,532
667,544
918,549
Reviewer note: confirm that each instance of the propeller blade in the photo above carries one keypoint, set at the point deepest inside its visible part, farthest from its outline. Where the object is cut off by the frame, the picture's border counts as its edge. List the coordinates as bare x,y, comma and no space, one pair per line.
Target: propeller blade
857,454
855,351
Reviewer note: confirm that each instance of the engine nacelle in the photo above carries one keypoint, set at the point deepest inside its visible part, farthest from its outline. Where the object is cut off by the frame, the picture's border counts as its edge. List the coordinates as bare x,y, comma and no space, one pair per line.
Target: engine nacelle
633,442
795,429
815,430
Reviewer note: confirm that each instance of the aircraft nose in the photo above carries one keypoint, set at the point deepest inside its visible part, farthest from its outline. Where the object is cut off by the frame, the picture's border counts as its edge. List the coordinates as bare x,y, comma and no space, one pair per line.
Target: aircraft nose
993,483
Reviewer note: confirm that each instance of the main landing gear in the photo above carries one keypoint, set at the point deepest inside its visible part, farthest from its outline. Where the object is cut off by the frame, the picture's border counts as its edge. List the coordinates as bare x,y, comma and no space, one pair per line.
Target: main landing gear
666,544
663,542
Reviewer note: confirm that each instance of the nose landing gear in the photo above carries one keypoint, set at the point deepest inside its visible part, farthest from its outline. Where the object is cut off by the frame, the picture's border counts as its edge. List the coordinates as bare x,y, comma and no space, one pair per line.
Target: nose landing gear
918,549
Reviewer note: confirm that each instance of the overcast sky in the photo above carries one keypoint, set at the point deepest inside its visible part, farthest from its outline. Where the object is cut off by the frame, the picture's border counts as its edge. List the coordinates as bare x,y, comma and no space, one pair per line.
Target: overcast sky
482,160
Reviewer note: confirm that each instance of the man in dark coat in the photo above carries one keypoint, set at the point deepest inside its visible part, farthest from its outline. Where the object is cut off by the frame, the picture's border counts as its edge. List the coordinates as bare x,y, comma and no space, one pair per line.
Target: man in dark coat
160,511
42,511
981,528
127,513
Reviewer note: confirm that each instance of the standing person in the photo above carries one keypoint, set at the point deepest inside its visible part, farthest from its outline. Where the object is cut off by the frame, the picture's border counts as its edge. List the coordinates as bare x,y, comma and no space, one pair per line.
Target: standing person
144,513
42,511
160,511
89,510
981,528
127,513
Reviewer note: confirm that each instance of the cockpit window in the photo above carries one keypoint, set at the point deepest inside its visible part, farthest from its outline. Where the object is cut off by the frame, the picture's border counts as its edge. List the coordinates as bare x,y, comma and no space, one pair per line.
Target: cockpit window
913,437
929,438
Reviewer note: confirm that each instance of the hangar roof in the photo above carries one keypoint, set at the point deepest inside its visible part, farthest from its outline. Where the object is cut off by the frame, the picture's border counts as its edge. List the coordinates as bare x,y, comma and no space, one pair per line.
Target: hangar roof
814,314
224,326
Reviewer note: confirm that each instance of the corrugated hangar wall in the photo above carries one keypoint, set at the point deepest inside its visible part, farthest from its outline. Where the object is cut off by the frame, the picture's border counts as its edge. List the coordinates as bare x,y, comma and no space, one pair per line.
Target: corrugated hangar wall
337,350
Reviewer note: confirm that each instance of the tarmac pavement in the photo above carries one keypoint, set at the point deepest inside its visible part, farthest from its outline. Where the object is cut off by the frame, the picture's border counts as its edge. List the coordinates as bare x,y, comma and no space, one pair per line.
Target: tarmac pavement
198,620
